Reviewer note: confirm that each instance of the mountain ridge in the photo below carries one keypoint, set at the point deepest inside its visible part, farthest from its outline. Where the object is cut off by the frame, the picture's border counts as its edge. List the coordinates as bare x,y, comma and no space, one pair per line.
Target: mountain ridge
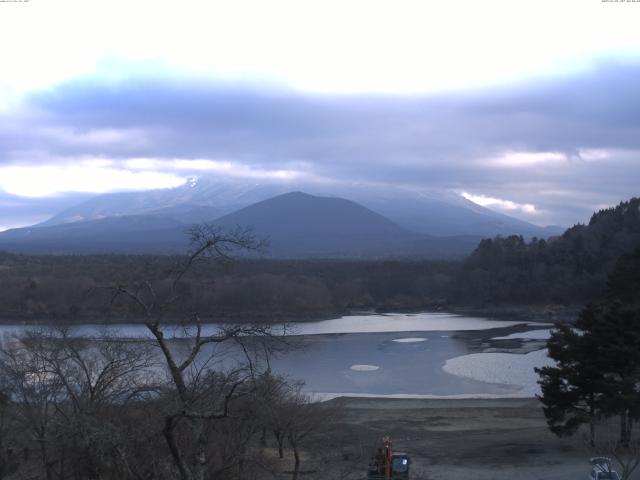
438,213
299,225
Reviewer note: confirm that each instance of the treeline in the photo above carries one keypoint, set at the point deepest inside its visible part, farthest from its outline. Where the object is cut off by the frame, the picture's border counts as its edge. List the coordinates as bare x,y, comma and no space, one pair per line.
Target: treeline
69,288
570,269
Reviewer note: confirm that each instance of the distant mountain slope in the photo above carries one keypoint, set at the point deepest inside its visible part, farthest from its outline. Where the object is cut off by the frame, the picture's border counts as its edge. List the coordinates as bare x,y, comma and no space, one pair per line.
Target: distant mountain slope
194,202
433,212
127,234
446,214
565,269
298,225
298,213
302,225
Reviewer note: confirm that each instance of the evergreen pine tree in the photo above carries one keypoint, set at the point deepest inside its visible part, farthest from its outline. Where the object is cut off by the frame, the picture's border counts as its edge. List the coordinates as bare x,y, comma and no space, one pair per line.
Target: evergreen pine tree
597,371
571,390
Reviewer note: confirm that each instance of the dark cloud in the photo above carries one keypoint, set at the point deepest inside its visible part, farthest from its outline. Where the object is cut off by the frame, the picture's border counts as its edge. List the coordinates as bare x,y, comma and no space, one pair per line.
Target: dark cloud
430,141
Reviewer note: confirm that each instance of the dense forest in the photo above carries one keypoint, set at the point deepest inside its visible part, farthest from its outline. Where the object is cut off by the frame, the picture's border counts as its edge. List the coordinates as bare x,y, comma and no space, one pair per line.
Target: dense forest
504,271
570,269
45,288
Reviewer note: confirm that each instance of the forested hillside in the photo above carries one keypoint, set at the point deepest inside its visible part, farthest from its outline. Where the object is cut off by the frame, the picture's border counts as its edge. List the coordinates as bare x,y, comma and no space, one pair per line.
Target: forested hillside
572,268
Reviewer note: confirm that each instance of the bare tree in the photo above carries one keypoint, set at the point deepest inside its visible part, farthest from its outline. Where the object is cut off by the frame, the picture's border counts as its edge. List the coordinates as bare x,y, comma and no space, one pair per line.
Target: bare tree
64,391
305,417
186,402
35,393
8,461
273,414
98,378
200,393
291,415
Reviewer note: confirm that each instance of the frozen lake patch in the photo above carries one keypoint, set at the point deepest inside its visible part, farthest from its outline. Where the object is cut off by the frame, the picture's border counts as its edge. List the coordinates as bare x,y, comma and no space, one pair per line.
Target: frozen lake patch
543,334
501,368
364,368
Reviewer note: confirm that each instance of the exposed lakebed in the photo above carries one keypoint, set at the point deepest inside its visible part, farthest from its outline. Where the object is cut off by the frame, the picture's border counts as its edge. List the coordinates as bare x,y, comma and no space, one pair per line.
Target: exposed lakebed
402,355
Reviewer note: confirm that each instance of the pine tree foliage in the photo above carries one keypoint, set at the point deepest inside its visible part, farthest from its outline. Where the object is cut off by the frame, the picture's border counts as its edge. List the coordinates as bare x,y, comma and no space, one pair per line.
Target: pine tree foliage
597,371
571,268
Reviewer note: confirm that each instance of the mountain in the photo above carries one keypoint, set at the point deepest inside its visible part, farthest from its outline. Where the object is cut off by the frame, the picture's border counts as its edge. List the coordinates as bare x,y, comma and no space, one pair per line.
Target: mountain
432,212
301,214
302,225
443,213
127,234
297,225
194,202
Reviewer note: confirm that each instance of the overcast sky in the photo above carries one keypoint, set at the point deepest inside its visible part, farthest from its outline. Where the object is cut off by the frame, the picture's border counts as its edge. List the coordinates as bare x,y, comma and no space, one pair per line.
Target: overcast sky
530,108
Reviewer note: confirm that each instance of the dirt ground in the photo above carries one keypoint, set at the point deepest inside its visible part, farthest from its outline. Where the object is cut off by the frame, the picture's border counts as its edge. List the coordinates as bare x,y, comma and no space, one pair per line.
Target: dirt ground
446,439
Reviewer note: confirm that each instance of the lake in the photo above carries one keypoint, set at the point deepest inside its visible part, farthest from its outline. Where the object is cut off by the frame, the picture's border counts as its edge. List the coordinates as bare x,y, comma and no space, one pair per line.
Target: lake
401,355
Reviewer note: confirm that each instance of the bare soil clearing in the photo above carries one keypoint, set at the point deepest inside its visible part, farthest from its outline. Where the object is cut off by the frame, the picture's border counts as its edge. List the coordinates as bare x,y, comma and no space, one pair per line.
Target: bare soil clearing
448,439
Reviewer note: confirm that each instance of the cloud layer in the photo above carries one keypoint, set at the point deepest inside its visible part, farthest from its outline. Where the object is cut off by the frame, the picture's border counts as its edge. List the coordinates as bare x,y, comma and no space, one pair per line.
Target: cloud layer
549,151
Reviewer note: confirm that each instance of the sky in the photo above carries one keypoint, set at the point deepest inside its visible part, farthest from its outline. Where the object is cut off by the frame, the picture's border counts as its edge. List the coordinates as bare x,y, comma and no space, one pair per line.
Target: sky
528,108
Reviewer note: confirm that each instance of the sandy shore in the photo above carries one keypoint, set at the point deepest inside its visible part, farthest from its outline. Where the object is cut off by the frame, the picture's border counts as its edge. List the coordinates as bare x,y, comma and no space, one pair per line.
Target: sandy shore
460,439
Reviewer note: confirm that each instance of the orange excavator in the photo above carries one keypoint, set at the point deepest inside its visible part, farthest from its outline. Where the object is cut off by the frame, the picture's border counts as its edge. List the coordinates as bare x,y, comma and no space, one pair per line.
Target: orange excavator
387,465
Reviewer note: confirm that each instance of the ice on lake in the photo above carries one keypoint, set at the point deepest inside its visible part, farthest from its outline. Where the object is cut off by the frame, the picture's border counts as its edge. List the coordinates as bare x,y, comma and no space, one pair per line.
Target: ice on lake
375,323
364,368
501,368
543,334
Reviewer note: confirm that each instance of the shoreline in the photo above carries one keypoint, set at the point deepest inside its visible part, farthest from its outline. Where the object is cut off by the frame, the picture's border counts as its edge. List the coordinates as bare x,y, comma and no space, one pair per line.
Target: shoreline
433,401
514,313
488,398
391,322
532,313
